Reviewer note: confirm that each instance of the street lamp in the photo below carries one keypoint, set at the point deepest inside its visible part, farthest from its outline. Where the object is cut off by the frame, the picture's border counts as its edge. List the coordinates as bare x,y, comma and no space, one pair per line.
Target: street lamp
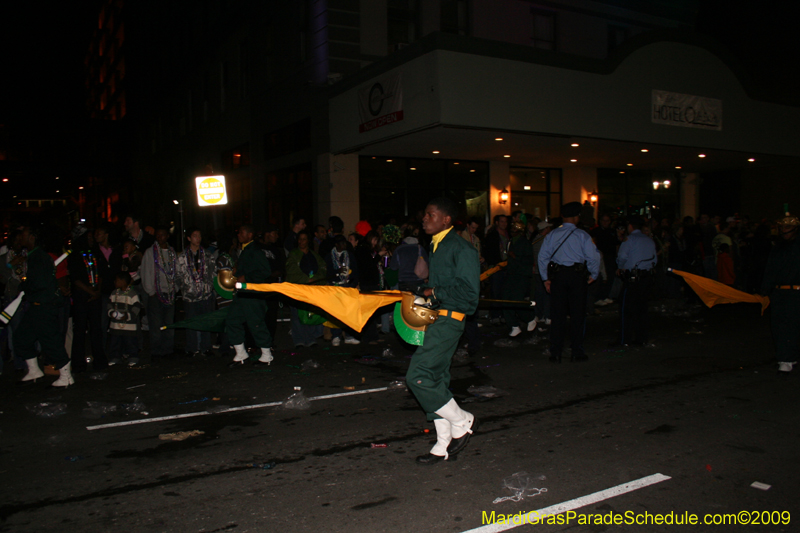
179,203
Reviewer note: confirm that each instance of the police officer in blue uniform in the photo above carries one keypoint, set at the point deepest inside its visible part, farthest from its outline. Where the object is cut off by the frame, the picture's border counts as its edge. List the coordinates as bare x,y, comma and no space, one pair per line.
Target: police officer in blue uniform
635,262
568,262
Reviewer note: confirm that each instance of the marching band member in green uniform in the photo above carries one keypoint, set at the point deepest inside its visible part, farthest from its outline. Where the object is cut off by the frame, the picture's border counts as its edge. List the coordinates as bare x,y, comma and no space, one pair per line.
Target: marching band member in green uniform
782,285
40,322
252,267
453,287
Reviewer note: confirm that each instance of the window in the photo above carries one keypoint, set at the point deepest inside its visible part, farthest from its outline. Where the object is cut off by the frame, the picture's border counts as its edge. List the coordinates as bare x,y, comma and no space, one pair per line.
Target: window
454,16
402,23
544,29
616,36
398,188
536,191
628,192
239,157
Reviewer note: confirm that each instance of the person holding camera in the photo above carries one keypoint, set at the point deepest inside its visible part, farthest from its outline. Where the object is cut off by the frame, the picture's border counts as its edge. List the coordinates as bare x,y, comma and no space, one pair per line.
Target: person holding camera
635,262
568,263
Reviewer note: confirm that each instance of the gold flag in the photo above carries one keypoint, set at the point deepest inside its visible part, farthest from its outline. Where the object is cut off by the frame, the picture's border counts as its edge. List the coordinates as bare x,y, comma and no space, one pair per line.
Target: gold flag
713,292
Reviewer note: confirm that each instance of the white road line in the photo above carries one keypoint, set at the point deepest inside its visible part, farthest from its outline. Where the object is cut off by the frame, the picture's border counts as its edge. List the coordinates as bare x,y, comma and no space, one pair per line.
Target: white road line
571,505
228,410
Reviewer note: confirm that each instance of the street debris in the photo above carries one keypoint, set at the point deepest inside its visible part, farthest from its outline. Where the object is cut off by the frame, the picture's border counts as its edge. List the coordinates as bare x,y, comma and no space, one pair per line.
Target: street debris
506,343
486,391
98,409
47,409
263,466
98,376
397,385
73,458
309,365
297,400
760,486
522,485
205,399
373,445
137,386
181,435
388,353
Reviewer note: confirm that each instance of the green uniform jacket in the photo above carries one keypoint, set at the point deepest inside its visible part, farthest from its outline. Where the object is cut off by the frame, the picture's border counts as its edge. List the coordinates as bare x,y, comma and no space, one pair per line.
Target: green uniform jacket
783,266
521,263
253,265
41,285
455,274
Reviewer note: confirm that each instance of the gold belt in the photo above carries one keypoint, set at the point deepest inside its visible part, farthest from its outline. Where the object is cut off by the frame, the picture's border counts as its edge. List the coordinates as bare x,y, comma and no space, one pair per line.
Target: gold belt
452,314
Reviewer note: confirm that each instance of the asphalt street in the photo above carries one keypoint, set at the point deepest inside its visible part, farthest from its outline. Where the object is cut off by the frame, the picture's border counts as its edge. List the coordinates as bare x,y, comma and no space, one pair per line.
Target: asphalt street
704,407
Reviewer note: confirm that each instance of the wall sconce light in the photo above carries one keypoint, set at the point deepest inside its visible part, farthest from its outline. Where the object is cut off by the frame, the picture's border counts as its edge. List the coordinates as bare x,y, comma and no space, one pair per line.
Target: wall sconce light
665,184
656,185
593,199
503,197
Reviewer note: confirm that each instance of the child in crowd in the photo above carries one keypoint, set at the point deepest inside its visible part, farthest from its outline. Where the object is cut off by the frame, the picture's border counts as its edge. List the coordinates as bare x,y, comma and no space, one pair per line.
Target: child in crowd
725,272
131,260
123,328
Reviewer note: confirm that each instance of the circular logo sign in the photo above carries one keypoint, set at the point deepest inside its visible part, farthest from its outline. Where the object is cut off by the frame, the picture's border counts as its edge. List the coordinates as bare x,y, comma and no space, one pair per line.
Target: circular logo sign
211,190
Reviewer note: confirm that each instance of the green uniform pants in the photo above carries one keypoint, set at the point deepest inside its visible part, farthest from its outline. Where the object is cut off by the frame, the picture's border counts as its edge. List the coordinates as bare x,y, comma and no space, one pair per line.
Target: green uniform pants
428,374
250,311
40,323
785,308
517,288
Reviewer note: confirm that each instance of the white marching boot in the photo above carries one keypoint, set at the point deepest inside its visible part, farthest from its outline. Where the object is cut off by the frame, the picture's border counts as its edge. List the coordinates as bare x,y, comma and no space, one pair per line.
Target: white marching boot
241,354
439,451
462,424
266,356
65,376
34,372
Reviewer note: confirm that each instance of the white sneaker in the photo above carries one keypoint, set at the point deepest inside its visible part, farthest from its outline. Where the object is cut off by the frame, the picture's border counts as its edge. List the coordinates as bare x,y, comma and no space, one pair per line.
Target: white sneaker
351,340
786,366
608,301
336,341
601,303
515,331
266,356
532,324
546,321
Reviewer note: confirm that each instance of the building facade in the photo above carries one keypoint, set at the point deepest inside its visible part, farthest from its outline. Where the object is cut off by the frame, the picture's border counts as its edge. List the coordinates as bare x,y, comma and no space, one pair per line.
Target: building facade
367,109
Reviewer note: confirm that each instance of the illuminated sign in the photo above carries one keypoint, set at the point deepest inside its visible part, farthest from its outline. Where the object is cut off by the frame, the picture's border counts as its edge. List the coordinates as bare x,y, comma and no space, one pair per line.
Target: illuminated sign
211,190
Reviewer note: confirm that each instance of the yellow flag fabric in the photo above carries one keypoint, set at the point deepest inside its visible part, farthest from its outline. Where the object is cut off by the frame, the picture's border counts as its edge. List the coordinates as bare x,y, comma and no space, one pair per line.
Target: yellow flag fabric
713,292
493,270
343,303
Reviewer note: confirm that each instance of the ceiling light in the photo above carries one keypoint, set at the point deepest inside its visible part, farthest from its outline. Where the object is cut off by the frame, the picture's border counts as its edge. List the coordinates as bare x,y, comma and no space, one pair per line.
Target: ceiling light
573,160
574,145
630,164
752,160
498,138
507,155
5,179
436,151
80,188
413,168
456,162
388,160
56,177
645,150
473,170
678,168
622,172
701,155
58,191
527,187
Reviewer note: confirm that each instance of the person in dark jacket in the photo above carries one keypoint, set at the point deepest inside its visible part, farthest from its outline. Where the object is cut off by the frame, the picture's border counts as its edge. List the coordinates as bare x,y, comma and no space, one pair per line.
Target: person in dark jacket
342,272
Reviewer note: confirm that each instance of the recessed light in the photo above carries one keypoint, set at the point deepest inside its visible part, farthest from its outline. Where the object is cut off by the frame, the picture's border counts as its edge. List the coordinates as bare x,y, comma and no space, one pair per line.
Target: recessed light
574,145
507,155
622,172
413,168
58,191
678,168
498,138
388,160
473,170
645,150
701,155
436,151
456,163
752,160
56,177
527,187
80,188
5,179
573,160
630,164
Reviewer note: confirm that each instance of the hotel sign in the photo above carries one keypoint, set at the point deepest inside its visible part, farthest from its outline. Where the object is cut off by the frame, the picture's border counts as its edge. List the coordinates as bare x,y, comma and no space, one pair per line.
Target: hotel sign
689,111
380,103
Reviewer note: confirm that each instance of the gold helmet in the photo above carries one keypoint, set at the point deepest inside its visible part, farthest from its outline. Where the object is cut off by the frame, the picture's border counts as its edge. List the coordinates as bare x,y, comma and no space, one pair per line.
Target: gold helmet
789,220
414,314
226,279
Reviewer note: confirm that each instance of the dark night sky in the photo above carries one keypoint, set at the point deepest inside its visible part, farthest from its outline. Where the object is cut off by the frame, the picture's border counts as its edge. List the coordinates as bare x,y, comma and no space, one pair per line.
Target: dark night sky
41,88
